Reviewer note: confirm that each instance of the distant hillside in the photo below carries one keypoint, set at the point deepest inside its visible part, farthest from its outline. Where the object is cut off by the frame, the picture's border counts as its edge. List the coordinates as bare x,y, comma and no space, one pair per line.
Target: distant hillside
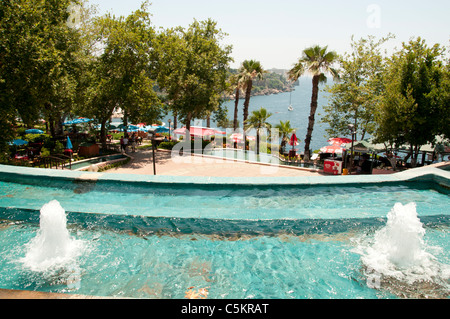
274,82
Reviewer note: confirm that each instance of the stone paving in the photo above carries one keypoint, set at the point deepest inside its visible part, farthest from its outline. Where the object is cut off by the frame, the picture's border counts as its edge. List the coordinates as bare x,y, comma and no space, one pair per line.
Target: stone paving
142,163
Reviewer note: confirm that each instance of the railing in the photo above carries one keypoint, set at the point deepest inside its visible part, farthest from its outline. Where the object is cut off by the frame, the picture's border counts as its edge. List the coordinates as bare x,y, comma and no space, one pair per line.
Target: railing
55,161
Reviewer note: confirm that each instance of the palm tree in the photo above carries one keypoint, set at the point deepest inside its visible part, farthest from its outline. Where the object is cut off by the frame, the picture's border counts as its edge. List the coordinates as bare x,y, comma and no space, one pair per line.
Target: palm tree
236,84
284,129
317,61
258,121
249,70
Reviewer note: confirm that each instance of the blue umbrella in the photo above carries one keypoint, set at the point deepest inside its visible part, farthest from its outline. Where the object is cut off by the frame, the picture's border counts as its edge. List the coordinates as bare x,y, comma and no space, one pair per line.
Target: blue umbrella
18,142
69,145
34,131
161,129
78,121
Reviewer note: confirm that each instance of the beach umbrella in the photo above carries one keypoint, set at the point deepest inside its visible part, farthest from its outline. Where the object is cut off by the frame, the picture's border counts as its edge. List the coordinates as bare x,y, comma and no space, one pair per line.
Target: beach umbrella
79,120
69,145
333,149
34,131
294,140
161,129
18,142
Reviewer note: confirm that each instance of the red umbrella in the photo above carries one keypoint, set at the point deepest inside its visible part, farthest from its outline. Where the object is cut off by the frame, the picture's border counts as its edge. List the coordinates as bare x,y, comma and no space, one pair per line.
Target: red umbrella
339,140
294,140
332,149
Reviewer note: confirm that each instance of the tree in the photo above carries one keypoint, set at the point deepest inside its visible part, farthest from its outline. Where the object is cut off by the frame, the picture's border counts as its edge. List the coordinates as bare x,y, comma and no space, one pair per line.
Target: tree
355,97
38,61
412,106
317,61
236,83
249,70
284,129
192,69
120,76
258,121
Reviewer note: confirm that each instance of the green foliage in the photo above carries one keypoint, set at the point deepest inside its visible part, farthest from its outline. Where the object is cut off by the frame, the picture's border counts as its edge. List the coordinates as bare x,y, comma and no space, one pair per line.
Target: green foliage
272,81
37,138
355,97
120,76
192,69
414,102
38,68
59,148
168,145
285,130
258,121
45,152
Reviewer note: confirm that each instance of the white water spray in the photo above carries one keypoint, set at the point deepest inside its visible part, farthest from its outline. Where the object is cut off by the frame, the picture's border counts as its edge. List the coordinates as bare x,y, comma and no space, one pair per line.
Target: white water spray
398,250
53,248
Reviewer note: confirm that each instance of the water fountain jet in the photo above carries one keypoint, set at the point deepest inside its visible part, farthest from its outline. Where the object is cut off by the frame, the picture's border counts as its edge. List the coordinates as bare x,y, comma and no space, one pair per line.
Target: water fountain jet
53,247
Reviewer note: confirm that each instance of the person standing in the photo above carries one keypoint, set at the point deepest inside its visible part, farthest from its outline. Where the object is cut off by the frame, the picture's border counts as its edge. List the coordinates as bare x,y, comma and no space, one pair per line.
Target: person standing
122,146
125,143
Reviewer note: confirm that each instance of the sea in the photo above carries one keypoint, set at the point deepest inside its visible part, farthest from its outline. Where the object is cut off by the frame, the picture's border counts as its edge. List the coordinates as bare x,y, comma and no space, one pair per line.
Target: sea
278,105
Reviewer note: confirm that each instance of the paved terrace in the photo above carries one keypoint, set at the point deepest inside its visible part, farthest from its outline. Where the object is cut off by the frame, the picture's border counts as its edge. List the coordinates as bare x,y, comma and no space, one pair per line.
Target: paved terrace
142,164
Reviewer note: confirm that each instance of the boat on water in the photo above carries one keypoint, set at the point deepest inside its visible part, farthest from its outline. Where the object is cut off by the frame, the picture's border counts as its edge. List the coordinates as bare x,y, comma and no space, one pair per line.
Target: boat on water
290,108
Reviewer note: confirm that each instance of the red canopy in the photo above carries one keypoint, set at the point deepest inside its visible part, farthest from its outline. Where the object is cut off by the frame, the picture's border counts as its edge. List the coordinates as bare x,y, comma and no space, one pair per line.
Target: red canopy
339,140
197,131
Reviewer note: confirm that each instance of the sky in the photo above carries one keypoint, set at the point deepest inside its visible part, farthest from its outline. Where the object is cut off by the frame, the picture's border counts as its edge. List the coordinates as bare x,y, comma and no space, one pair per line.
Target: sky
275,32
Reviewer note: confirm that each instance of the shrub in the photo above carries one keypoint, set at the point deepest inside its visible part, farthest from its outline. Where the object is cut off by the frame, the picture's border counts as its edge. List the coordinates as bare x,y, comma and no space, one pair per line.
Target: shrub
168,145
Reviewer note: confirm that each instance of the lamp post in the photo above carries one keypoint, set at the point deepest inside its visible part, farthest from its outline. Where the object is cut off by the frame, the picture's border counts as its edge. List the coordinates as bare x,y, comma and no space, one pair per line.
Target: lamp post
152,132
351,127
170,121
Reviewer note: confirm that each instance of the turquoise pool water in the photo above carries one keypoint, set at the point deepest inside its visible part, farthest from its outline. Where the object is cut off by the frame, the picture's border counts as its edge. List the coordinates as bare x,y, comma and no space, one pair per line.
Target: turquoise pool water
148,240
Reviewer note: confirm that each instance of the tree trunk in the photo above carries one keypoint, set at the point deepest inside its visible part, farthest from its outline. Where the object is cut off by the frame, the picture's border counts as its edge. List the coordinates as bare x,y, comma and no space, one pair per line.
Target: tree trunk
315,94
414,155
188,127
247,99
257,141
51,123
246,106
125,123
103,133
236,105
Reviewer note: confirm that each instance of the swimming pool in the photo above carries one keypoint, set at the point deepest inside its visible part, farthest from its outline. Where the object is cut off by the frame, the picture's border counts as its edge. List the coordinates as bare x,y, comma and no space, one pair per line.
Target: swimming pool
156,238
